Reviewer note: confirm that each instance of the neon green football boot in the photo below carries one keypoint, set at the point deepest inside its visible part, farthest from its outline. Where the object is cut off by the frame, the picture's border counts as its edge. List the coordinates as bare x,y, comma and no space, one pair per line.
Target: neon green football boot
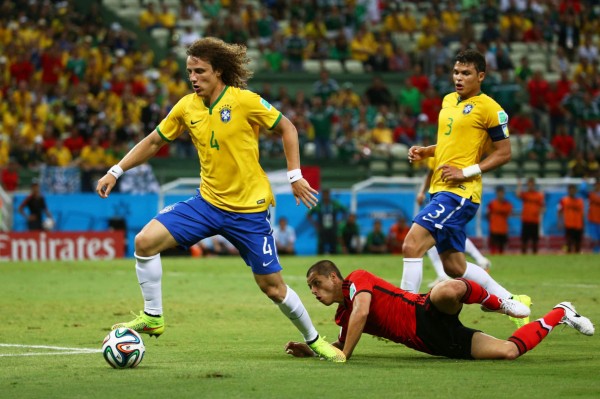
327,351
144,324
525,300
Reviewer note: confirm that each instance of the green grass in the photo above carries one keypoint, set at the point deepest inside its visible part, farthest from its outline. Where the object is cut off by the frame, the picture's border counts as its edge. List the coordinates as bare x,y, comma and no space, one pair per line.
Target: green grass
225,339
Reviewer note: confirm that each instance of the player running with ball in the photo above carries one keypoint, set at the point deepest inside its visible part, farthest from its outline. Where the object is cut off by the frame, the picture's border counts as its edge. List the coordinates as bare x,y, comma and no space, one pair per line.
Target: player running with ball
223,120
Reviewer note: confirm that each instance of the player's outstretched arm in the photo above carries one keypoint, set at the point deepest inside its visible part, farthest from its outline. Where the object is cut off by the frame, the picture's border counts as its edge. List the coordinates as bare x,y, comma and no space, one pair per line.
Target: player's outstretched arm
143,151
361,306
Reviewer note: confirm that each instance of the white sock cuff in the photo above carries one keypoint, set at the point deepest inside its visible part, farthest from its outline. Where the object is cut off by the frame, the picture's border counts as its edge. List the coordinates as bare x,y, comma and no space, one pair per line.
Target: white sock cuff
145,258
413,260
287,295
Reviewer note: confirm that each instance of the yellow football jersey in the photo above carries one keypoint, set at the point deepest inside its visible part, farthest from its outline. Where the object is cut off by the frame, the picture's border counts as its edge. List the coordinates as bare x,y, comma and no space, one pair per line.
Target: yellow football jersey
465,131
226,137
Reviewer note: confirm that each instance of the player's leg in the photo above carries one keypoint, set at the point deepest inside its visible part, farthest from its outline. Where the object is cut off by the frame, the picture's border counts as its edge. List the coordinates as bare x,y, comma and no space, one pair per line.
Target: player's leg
434,257
471,249
252,235
417,242
449,296
149,243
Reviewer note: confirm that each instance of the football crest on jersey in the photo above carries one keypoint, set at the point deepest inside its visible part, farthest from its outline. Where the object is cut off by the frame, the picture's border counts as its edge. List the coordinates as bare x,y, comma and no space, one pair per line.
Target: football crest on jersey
225,113
467,109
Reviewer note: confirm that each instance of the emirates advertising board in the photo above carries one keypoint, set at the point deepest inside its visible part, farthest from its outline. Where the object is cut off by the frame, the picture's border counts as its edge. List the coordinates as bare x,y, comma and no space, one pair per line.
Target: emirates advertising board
41,246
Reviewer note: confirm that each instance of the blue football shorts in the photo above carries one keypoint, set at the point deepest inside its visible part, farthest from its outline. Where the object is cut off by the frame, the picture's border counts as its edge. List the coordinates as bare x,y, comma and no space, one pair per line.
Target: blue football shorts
195,219
446,217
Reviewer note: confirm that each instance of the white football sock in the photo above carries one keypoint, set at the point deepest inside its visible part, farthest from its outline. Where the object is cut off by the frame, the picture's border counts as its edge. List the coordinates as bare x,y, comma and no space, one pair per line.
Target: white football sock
149,274
472,250
294,309
484,279
412,274
438,266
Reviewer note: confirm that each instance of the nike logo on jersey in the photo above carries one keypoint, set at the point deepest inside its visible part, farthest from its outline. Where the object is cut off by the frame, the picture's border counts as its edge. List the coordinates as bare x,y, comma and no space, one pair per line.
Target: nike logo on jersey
265,264
194,122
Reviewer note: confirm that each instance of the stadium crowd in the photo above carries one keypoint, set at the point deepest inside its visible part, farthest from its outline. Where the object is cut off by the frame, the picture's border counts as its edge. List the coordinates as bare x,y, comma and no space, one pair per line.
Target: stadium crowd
78,90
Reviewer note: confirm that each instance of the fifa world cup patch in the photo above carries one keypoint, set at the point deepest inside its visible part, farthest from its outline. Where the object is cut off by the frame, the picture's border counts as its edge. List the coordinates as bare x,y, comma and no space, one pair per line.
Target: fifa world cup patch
225,113
468,108
265,104
352,291
502,118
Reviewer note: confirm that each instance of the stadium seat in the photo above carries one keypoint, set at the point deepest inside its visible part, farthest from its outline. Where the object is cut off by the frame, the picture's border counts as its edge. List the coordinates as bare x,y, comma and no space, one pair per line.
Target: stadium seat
378,167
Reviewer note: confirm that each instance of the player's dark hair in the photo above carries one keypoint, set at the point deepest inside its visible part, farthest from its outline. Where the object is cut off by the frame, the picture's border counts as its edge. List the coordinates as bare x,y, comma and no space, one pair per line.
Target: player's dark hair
325,268
471,56
230,59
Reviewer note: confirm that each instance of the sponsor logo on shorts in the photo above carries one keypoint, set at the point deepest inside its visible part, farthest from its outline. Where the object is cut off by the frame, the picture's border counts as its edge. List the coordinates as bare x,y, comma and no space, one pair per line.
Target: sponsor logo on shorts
265,264
167,208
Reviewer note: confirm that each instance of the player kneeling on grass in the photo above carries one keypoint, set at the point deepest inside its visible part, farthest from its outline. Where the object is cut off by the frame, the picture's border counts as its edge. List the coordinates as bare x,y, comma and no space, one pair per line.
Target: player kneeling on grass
426,322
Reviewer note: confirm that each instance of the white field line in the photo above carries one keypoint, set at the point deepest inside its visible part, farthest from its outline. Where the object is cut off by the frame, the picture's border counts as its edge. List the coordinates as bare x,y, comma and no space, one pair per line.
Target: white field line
60,350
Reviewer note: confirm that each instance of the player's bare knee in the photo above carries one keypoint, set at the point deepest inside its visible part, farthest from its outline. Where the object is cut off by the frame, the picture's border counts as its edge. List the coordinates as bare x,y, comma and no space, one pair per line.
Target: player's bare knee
450,289
274,292
143,245
410,249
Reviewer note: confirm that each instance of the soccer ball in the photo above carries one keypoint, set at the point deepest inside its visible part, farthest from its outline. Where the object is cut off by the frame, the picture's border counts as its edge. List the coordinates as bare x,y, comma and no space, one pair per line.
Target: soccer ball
48,224
123,348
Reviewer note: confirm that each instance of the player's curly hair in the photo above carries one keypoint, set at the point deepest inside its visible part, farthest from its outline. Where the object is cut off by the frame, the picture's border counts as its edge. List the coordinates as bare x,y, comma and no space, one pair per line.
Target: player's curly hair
325,268
230,59
471,56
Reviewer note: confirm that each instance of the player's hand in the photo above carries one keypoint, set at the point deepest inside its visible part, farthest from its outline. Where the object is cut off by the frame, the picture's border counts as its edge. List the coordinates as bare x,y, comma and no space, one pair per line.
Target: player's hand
451,173
416,153
105,185
305,193
298,349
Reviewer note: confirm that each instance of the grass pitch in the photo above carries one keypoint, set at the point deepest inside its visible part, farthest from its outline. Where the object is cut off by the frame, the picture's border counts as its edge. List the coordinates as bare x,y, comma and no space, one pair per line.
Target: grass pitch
225,339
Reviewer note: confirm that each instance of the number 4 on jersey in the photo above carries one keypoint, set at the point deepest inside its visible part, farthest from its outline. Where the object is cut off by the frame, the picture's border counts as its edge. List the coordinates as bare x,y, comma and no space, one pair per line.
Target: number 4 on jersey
213,142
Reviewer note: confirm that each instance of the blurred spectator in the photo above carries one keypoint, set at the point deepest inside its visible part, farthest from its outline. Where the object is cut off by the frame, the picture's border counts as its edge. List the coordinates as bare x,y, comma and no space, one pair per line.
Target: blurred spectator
378,93
533,209
562,143
568,34
577,167
36,206
592,165
400,60
376,240
326,86
325,218
593,216
321,119
587,49
382,137
523,71
396,236
149,18
294,48
559,62
350,236
537,89
591,120
362,45
217,245
10,175
409,98
539,149
498,211
570,213
285,237
507,93
58,154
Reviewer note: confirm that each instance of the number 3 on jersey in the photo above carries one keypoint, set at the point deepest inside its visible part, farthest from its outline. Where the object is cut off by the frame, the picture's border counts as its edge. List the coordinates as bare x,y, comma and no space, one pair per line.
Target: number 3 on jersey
213,141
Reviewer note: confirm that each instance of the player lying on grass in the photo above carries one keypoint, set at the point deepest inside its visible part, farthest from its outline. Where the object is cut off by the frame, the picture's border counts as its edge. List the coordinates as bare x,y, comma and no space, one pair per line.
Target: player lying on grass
426,322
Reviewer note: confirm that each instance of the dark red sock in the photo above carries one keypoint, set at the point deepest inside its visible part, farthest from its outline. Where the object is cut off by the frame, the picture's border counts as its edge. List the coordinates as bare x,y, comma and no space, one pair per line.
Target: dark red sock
477,294
527,337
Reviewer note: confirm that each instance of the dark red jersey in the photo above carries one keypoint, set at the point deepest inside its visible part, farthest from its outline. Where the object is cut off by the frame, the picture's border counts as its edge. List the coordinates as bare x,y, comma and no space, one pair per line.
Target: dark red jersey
391,315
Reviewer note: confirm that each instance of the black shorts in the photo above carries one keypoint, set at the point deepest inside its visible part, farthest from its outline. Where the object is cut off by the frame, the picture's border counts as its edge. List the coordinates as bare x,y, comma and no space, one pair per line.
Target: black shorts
443,334
530,231
499,240
574,235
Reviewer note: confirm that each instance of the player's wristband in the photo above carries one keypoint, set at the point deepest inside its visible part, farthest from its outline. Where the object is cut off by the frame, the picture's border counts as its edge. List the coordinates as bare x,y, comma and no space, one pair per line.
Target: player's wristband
116,171
472,170
294,175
